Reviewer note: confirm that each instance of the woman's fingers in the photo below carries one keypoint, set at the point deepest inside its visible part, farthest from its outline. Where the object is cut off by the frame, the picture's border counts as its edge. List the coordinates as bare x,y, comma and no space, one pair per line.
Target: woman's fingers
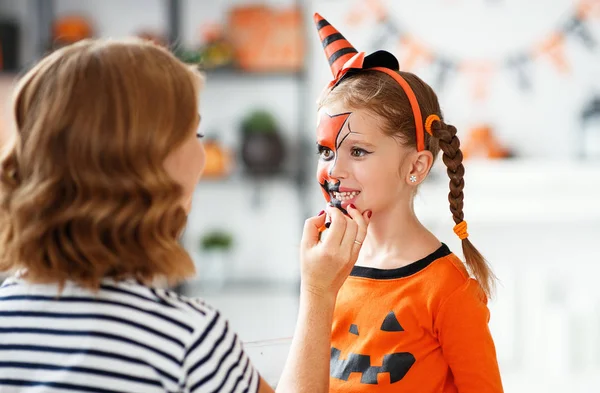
326,263
362,222
310,235
336,230
348,242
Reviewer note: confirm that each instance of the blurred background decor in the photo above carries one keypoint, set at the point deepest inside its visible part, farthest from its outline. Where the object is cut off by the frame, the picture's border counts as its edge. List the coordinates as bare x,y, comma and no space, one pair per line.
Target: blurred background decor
219,160
215,246
9,45
266,38
482,142
217,50
385,23
69,29
590,127
263,150
154,36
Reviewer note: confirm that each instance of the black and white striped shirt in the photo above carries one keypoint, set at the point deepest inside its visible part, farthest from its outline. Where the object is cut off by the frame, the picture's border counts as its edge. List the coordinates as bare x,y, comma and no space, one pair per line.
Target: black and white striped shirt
125,338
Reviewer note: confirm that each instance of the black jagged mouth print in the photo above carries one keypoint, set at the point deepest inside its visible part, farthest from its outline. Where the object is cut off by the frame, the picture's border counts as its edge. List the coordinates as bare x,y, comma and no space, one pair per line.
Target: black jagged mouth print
396,364
331,189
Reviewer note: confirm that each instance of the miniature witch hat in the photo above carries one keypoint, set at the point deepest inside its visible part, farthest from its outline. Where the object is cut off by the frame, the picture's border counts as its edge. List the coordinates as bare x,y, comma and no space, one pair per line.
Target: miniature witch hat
337,48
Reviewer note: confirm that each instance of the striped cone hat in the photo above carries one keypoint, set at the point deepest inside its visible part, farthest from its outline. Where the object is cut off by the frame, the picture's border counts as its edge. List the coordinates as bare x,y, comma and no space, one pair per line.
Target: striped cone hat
337,48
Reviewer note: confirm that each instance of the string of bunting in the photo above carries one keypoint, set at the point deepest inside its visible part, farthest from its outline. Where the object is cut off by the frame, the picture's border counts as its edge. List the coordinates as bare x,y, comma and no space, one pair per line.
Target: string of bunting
481,71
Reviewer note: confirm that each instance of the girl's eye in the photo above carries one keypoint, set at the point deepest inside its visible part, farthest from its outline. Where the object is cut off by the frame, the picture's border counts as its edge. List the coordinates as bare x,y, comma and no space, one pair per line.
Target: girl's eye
199,135
325,152
358,152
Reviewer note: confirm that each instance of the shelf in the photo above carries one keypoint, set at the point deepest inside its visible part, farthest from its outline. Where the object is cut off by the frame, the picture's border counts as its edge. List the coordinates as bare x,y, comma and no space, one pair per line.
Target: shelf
246,287
245,178
239,73
519,191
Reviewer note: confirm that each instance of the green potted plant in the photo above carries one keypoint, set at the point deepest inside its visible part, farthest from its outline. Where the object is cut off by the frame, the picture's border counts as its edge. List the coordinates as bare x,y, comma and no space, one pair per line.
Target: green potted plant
216,240
263,150
215,247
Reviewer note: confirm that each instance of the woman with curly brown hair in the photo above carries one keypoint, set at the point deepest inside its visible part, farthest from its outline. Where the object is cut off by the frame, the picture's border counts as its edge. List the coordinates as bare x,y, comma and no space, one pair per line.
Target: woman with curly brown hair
95,187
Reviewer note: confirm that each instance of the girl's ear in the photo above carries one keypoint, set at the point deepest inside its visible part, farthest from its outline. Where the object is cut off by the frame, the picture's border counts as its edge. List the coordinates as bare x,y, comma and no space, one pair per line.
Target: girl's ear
421,163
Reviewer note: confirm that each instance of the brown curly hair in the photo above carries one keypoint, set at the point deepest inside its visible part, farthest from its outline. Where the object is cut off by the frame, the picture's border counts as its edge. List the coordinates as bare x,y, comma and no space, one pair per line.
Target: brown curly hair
83,191
383,96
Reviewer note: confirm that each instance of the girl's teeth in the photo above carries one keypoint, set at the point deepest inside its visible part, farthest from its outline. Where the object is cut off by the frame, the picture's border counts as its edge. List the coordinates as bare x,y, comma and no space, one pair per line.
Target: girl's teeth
344,196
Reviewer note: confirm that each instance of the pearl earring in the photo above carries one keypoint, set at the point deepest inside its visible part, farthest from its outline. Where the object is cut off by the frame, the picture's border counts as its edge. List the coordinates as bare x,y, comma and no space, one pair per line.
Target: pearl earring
413,179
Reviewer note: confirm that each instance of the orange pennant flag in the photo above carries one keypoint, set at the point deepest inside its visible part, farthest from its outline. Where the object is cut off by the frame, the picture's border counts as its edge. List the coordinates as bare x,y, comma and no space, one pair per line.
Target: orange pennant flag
377,9
588,8
360,10
554,48
356,13
480,72
414,52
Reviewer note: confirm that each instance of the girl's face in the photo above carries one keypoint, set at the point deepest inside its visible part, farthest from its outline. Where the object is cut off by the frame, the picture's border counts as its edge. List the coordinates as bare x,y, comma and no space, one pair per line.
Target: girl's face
359,164
186,163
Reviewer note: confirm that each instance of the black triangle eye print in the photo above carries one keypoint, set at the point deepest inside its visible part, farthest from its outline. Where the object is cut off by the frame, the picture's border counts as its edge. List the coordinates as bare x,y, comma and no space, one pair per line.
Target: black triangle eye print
354,329
391,324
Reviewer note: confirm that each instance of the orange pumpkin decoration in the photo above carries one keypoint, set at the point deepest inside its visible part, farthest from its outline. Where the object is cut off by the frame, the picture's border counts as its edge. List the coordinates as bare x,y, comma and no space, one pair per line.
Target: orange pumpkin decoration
70,29
481,142
267,39
218,160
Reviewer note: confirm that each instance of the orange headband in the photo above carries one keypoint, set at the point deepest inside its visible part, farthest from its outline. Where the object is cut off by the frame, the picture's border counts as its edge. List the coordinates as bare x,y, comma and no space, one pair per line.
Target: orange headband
414,104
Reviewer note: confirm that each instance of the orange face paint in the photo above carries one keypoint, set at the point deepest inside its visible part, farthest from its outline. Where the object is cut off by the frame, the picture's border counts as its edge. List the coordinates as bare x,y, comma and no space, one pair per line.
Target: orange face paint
332,130
331,133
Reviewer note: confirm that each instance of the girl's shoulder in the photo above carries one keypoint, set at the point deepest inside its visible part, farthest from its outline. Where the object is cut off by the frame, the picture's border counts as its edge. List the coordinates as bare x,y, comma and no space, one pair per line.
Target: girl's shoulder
446,275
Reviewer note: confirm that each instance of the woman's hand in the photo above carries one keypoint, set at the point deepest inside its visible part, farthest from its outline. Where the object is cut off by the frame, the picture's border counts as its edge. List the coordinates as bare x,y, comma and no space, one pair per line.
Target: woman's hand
325,264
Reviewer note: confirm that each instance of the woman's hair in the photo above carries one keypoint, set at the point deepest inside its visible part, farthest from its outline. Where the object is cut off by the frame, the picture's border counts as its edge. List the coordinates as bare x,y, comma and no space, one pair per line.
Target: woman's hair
383,96
84,194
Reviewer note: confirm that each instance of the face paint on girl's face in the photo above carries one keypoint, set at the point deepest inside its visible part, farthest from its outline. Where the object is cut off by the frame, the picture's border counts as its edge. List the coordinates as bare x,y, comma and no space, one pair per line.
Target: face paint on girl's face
359,164
332,131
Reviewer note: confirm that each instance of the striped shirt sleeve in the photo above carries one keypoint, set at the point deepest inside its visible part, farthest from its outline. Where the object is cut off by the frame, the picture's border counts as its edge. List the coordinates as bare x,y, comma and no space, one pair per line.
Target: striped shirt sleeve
215,360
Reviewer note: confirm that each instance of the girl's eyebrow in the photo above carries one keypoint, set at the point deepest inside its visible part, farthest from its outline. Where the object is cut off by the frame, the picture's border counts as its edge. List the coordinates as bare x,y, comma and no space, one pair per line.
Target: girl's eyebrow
351,140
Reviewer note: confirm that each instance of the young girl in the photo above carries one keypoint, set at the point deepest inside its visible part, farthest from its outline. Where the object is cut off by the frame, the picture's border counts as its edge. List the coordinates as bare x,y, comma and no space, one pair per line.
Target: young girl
409,318
95,188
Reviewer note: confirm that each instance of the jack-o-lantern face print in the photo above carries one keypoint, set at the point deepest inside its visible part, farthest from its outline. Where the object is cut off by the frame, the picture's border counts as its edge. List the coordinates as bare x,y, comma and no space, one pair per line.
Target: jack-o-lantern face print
396,364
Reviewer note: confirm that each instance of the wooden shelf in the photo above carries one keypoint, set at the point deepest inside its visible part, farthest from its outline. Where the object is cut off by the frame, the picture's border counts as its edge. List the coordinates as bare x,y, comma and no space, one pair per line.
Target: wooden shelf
239,73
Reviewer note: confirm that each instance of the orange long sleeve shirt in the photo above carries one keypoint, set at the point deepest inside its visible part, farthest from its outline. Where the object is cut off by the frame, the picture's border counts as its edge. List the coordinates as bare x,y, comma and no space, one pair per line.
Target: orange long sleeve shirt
419,328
